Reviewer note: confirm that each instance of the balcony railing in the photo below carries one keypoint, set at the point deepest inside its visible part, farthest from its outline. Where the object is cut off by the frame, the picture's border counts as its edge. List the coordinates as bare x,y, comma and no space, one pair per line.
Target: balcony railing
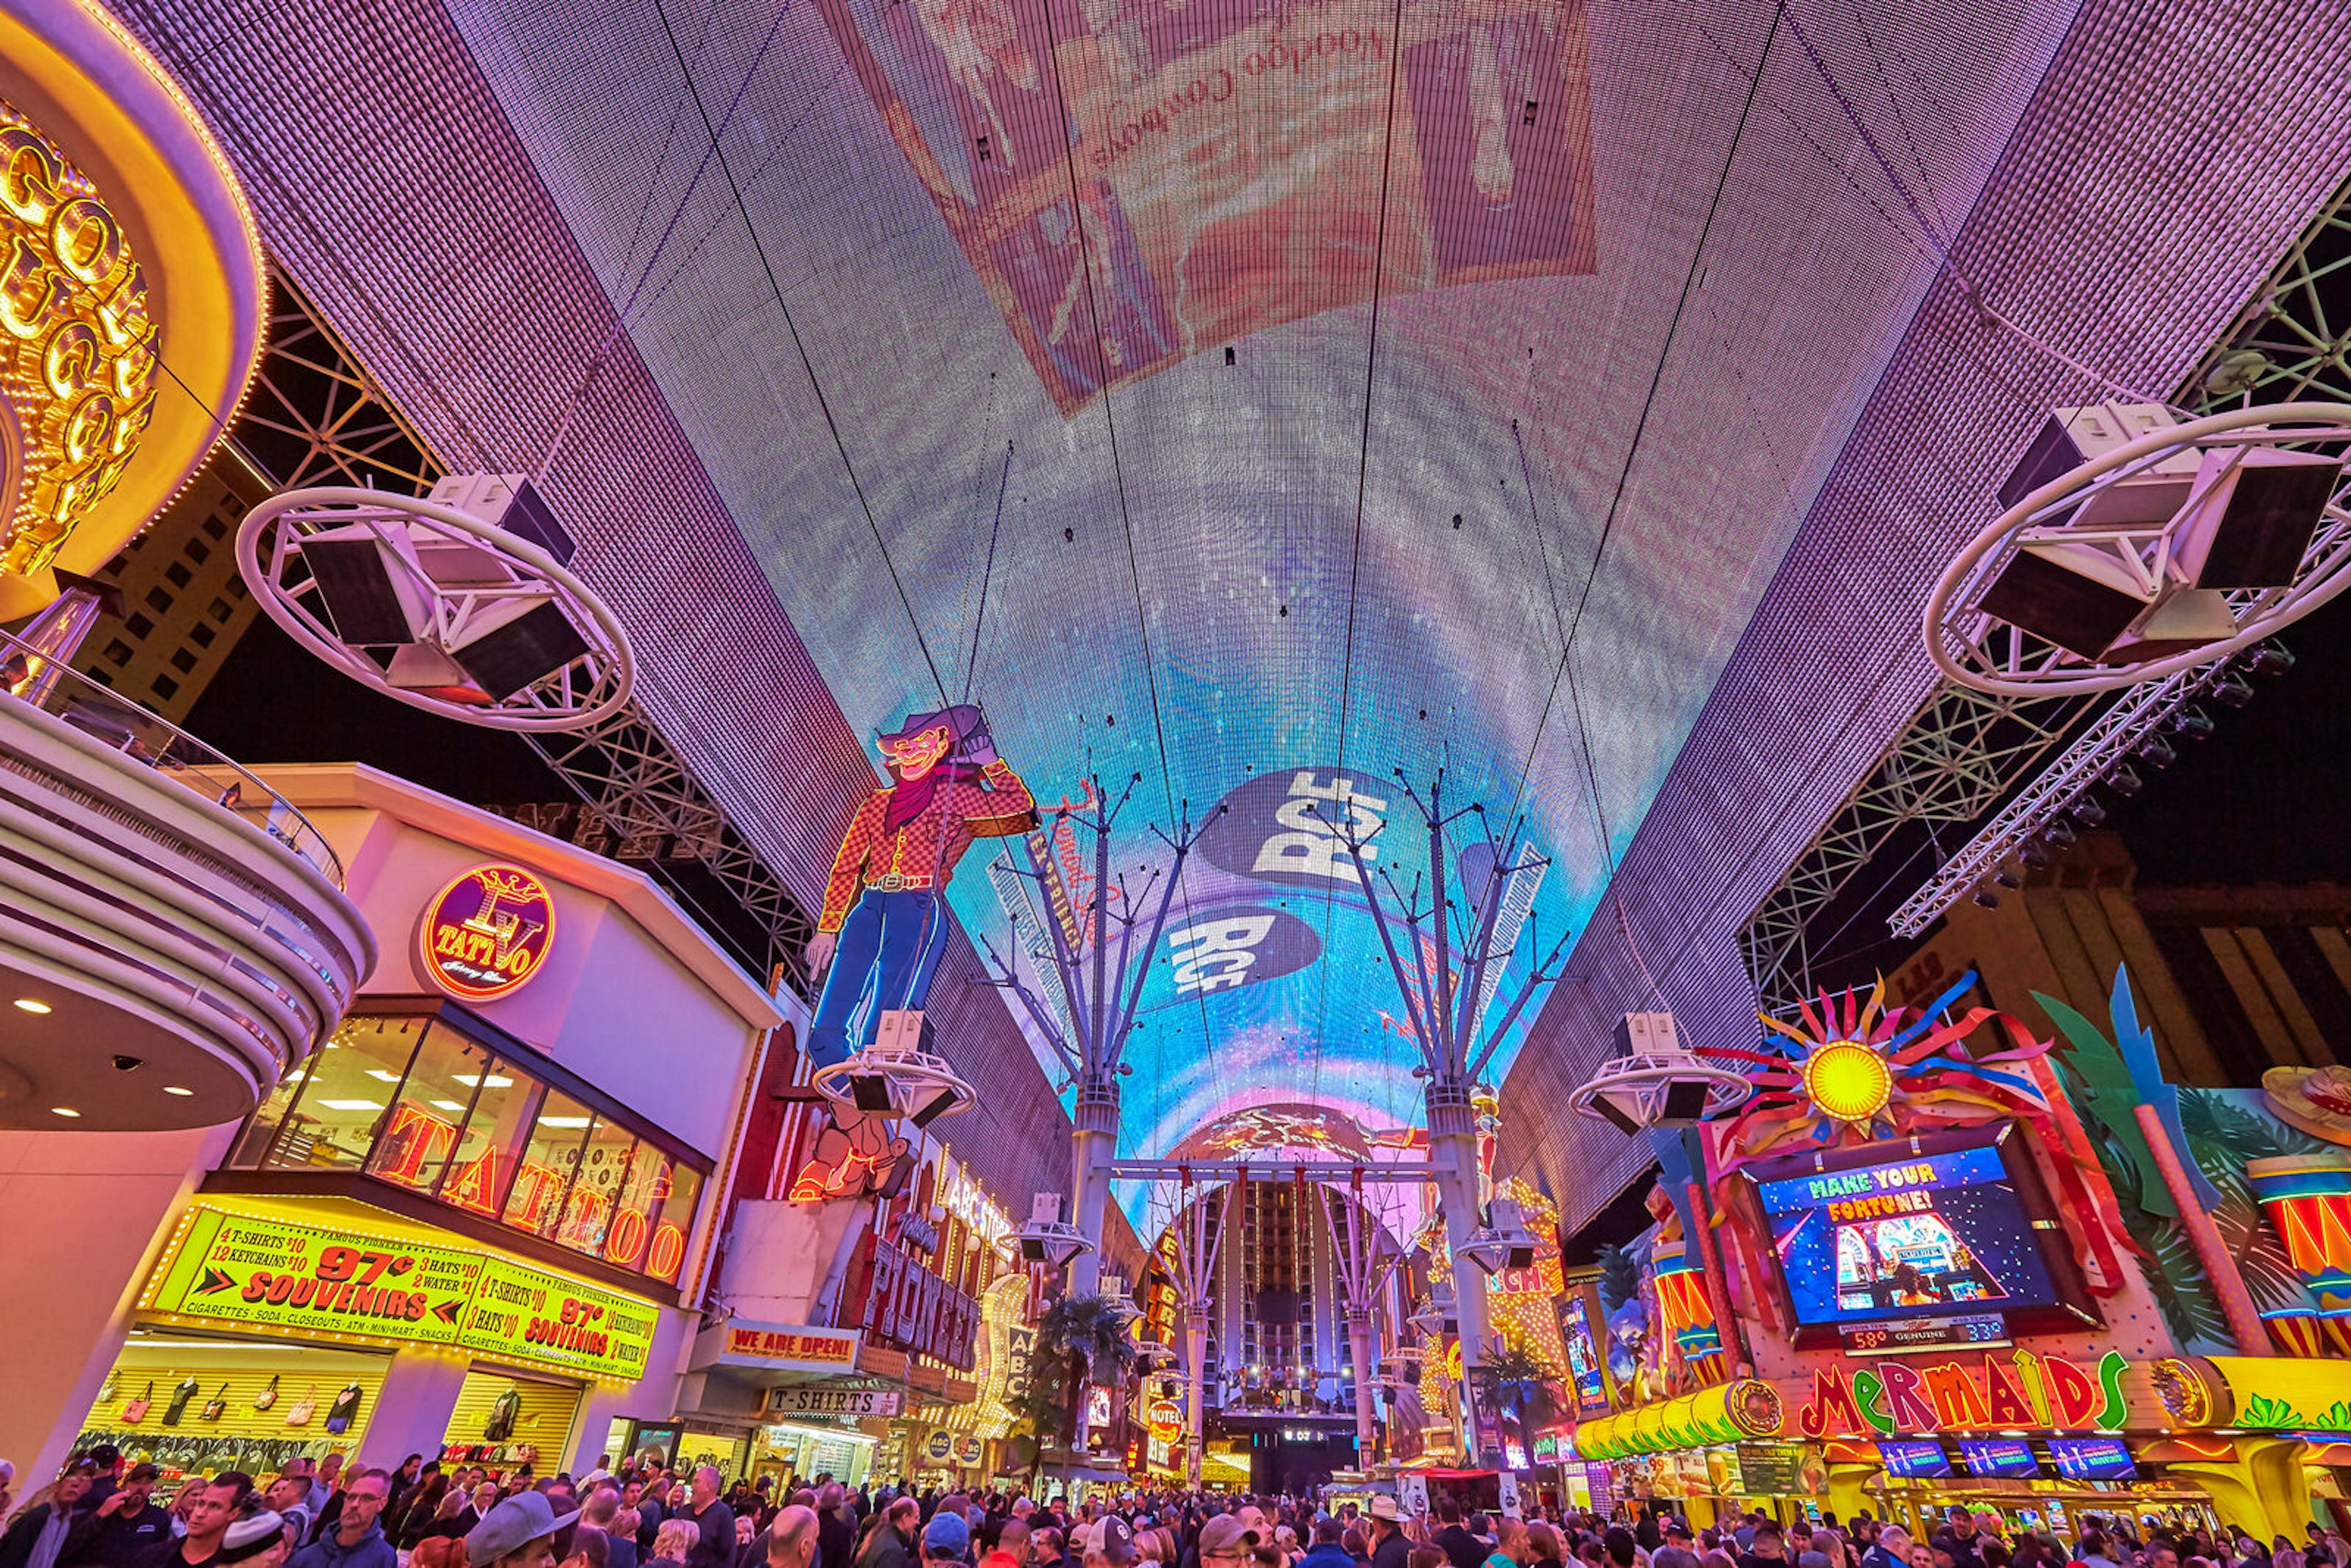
31,676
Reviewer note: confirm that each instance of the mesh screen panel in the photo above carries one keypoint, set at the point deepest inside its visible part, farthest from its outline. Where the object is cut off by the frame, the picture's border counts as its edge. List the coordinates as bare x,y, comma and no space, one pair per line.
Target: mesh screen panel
1180,561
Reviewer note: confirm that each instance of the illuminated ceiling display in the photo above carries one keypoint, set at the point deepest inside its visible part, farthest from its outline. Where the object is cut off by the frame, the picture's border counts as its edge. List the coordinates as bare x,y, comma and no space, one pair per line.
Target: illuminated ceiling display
952,357
1219,157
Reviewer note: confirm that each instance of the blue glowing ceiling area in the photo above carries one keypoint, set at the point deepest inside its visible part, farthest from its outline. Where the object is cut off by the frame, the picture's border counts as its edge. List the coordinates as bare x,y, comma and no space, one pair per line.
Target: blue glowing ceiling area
1260,398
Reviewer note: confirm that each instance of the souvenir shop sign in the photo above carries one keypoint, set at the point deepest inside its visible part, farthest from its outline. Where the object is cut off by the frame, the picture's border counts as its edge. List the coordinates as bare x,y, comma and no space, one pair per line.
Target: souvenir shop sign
907,1307
262,1271
2019,1389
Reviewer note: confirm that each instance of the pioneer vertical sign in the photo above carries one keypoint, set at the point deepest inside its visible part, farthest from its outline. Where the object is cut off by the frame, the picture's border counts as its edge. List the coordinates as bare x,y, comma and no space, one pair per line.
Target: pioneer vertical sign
908,1307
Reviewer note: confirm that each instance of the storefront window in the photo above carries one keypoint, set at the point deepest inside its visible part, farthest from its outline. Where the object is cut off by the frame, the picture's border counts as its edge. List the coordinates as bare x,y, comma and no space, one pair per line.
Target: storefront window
428,1117
349,1086
414,1102
666,1253
485,1168
252,1145
596,1187
536,1202
631,1235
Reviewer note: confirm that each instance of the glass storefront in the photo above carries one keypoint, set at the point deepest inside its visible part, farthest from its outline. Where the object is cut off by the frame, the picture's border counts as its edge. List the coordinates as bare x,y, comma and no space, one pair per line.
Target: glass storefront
416,1102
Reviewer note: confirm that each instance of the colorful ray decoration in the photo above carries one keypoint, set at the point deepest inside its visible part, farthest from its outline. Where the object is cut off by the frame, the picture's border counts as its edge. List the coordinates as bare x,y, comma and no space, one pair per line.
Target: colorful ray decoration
1859,1071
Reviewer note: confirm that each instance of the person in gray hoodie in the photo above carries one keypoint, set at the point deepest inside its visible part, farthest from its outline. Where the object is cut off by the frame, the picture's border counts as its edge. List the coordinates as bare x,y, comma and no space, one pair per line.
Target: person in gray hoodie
355,1539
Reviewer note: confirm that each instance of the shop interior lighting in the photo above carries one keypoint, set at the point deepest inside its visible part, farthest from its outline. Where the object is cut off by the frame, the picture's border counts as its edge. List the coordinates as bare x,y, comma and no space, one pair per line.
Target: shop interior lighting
476,1080
34,1005
352,1104
177,1089
63,1110
564,1121
447,1104
382,1076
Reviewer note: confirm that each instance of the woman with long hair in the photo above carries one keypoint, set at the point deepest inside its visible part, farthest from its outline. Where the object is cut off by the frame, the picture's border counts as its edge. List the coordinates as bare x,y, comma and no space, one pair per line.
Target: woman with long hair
419,1507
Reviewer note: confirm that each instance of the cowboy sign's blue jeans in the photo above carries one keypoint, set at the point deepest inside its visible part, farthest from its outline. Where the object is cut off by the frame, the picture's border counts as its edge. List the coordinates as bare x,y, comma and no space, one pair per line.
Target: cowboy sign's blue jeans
885,955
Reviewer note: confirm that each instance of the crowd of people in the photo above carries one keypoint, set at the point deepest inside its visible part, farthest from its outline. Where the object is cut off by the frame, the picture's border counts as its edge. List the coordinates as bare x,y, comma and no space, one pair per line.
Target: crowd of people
102,1512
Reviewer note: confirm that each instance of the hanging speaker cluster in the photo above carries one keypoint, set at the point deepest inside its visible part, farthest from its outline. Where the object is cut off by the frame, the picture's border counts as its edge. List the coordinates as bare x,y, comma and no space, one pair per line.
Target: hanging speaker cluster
1045,1237
1656,1081
462,602
2132,545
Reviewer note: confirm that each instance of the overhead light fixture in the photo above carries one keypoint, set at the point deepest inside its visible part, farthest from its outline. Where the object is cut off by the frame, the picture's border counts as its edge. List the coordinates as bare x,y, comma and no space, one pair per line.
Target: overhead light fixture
2159,752
382,1076
456,604
2059,834
573,1122
2193,722
63,1110
2123,781
447,1104
176,1089
348,1106
34,1005
2089,810
2270,660
1986,898
476,1080
2233,689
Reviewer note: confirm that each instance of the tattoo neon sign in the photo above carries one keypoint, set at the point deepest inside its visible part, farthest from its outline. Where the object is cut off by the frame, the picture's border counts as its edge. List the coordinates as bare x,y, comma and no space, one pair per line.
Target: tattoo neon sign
487,932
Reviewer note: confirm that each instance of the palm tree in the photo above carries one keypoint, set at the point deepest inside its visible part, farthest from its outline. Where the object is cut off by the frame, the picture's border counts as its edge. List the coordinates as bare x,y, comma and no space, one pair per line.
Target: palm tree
1088,1334
1514,1380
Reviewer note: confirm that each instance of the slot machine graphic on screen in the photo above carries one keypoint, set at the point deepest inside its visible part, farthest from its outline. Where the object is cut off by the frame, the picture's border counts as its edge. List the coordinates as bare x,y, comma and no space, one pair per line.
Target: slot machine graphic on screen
1913,1243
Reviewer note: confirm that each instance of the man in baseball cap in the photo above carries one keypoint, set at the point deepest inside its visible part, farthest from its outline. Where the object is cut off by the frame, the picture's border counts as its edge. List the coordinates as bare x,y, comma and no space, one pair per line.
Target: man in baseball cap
1111,1544
946,1538
517,1533
1226,1541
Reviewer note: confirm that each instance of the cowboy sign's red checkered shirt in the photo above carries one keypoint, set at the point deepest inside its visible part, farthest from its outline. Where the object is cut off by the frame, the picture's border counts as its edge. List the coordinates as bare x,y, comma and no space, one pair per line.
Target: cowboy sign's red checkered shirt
872,856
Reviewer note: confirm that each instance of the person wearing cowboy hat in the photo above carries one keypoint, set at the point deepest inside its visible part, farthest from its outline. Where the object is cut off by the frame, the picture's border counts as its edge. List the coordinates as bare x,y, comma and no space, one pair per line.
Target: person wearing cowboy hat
1390,1548
883,923
516,1533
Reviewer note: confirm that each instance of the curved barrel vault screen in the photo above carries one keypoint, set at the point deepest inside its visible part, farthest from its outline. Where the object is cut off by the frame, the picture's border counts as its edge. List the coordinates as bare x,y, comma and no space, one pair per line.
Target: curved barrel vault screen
1578,391
1215,153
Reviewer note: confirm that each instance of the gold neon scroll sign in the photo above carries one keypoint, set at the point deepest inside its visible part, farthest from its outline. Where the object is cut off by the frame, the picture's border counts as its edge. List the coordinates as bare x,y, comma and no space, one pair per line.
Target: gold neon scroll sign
77,347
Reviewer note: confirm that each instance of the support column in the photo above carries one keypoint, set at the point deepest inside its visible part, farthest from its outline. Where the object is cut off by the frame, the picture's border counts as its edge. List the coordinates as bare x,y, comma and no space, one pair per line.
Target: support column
1453,1149
1359,1343
1093,1147
413,1408
64,1319
1195,1393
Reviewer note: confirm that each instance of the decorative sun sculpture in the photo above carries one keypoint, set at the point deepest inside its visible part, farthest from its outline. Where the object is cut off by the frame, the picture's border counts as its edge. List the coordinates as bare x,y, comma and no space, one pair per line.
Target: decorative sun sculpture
1858,1070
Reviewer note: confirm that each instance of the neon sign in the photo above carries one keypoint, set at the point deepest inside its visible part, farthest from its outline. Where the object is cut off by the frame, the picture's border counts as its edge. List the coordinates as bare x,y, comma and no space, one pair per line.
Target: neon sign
77,346
487,932
2043,1392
